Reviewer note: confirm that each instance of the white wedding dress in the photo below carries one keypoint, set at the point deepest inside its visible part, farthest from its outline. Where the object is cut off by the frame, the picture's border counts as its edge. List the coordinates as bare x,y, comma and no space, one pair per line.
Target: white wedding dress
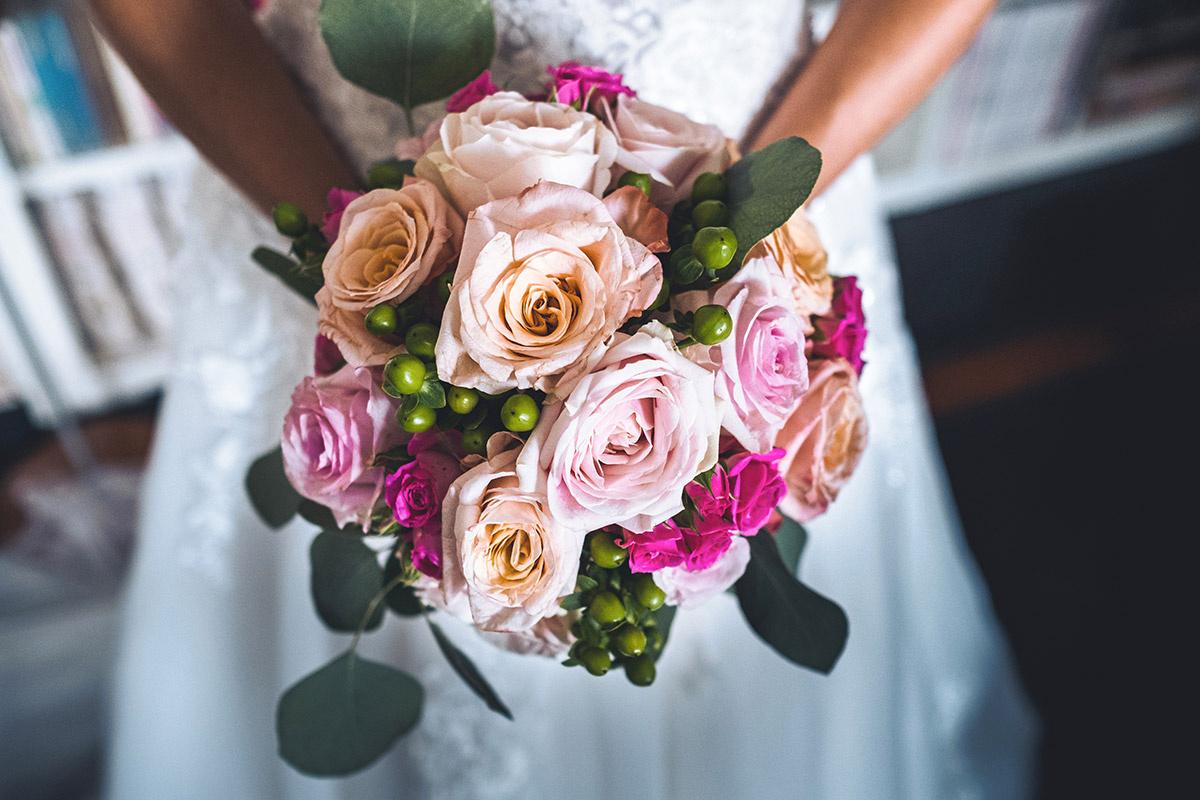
924,703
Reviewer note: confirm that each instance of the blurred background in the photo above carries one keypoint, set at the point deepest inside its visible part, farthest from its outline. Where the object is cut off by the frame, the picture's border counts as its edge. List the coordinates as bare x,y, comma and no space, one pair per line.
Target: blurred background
1044,207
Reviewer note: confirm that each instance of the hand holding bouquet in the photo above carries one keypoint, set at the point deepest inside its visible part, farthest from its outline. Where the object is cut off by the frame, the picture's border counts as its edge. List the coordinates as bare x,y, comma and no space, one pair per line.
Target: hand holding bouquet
572,357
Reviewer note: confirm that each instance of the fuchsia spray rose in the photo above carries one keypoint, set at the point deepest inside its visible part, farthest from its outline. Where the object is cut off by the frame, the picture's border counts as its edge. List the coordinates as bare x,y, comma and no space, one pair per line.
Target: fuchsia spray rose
472,93
327,358
336,202
580,83
415,492
842,333
755,489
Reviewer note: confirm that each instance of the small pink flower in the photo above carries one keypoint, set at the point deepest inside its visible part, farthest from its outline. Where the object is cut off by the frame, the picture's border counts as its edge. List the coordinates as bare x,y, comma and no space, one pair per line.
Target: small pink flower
756,488
842,333
655,549
414,492
327,358
427,549
704,545
712,502
576,83
472,93
336,202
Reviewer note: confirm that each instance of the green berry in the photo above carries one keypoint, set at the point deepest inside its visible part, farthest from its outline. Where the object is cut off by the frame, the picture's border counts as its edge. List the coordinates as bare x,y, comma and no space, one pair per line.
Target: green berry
404,374
607,609
648,592
640,670
711,324
289,219
639,179
421,339
387,175
381,320
606,552
520,413
715,247
709,214
708,186
420,418
475,440
629,640
462,400
444,282
595,660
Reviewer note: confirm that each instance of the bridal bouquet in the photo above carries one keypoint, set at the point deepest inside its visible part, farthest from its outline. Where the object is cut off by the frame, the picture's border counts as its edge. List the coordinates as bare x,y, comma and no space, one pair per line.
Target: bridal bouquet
573,355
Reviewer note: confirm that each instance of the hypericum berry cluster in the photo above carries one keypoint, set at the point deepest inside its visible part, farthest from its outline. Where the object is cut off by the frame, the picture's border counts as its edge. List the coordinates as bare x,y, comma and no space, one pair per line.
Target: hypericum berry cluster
618,624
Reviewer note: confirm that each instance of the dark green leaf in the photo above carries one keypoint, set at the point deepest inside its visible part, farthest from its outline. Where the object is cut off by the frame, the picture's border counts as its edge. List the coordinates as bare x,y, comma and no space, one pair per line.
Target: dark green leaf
801,625
572,601
318,515
767,186
306,283
409,51
401,599
791,538
345,715
271,494
663,618
467,670
432,394
345,578
585,584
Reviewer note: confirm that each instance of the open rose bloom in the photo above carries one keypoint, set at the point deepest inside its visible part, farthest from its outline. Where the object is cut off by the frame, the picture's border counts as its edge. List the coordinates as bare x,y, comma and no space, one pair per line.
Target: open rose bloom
556,398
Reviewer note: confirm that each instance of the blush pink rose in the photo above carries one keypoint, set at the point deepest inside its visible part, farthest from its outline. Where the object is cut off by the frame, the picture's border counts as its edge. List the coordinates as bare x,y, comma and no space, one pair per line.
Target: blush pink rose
824,440
413,147
578,84
755,489
632,433
795,251
335,427
335,205
689,589
549,636
544,281
472,93
504,144
670,148
842,333
347,329
761,371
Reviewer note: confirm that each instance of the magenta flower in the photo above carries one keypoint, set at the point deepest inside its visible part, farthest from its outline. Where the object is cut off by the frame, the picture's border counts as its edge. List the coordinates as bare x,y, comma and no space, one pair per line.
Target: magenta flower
713,502
414,492
472,93
704,545
327,358
755,488
655,549
842,332
427,550
336,202
576,83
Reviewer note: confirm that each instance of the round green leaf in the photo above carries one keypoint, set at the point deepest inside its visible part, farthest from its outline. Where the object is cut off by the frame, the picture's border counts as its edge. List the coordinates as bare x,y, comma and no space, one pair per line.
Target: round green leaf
767,186
345,715
271,494
346,576
409,51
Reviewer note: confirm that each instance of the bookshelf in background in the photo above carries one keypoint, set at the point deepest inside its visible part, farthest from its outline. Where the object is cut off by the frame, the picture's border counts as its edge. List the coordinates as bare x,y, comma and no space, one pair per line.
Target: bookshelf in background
91,184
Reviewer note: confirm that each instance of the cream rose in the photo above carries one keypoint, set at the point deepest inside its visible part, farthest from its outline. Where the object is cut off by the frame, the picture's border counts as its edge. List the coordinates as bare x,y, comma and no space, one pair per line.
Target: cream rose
824,440
634,431
550,637
544,281
504,144
506,560
796,250
389,243
666,145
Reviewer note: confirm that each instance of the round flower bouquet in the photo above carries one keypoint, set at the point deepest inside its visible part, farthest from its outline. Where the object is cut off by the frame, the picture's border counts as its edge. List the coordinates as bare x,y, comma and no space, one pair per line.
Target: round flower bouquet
574,358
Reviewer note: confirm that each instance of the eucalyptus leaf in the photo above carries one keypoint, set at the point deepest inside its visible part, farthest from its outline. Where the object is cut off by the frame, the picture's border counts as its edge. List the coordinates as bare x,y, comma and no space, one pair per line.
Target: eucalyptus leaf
273,498
799,624
766,187
400,599
572,602
345,715
305,282
409,51
345,579
790,538
467,670
318,515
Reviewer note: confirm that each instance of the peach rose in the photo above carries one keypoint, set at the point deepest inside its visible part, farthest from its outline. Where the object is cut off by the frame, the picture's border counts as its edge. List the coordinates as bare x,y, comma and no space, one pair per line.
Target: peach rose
506,560
390,242
550,636
544,281
824,440
796,249
504,144
347,329
666,145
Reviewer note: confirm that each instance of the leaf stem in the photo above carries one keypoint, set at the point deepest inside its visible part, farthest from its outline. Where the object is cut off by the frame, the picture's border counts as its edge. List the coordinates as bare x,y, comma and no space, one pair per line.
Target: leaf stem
371,606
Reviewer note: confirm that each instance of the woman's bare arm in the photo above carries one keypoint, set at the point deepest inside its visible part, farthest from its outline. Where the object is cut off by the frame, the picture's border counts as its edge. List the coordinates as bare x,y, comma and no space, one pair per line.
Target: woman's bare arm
880,58
214,75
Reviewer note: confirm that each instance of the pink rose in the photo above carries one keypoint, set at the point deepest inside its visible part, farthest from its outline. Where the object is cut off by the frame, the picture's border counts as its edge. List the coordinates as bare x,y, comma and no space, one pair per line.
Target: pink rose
335,203
576,83
506,560
755,488
761,371
335,427
794,250
824,440
327,358
631,434
347,330
544,281
690,589
472,93
549,636
655,549
672,149
414,492
413,147
842,333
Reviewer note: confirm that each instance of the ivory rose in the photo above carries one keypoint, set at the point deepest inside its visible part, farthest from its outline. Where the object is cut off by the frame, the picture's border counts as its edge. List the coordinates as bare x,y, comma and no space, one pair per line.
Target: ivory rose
824,440
690,589
506,560
390,242
335,427
672,149
795,251
544,281
631,434
760,368
504,144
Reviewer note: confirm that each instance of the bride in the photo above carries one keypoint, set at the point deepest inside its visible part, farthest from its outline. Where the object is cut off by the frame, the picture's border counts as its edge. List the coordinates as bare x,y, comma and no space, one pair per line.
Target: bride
924,702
